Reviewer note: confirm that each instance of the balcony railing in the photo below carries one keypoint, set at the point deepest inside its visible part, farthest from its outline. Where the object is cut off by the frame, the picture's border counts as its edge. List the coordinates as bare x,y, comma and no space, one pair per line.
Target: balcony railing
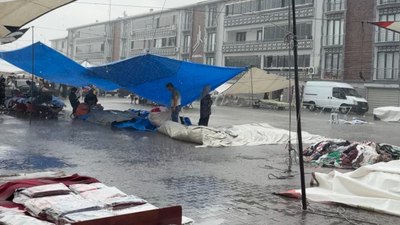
167,51
154,32
260,46
384,2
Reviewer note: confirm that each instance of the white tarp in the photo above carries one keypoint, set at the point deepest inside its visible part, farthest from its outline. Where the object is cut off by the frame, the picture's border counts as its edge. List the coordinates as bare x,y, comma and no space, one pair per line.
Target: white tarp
237,135
388,114
373,187
258,81
16,13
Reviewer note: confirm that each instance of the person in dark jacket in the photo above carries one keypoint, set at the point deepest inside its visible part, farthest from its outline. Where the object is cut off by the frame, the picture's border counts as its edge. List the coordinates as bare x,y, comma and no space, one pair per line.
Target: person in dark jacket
2,90
74,99
205,107
91,99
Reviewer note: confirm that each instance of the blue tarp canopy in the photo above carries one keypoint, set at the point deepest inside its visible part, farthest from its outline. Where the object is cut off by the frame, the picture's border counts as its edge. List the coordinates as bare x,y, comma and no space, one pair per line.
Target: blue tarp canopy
144,75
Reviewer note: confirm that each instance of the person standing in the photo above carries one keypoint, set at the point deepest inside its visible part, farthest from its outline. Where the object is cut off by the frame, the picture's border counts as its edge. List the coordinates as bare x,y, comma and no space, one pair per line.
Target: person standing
91,99
175,102
205,107
2,90
74,99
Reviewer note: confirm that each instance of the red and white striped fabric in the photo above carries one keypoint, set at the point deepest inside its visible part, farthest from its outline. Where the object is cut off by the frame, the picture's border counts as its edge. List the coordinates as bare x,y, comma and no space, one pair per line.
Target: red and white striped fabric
390,25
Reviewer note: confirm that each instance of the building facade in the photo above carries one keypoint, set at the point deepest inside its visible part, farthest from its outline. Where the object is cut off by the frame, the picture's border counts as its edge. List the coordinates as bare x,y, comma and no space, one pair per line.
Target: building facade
257,34
335,40
384,88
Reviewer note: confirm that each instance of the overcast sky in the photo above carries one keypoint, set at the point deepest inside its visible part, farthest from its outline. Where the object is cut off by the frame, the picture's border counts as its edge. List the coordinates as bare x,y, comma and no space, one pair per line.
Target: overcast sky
54,24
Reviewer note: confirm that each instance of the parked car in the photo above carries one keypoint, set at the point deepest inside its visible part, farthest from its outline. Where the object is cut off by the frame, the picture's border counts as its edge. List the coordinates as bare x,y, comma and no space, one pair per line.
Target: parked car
333,95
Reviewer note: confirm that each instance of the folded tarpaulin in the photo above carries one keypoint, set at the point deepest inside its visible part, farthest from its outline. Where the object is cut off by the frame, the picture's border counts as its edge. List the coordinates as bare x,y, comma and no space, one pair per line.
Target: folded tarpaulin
145,75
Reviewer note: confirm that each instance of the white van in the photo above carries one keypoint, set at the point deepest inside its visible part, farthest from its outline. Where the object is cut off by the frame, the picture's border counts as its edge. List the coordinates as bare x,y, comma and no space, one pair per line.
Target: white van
333,95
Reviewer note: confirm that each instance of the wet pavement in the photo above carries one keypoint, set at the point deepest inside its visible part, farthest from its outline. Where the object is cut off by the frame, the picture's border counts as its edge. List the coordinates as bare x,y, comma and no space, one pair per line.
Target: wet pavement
214,185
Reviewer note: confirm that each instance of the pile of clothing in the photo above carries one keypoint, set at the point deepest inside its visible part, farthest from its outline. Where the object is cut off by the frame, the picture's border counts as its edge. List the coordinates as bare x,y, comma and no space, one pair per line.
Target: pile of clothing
349,155
43,106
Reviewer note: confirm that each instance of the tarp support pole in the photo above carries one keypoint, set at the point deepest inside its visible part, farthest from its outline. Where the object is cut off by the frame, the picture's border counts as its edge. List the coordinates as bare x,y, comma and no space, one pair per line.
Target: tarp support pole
298,105
32,72
252,90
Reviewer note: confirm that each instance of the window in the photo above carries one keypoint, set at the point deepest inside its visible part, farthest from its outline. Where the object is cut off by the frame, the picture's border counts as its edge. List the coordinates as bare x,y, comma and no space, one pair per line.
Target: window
338,93
259,5
385,35
164,42
211,42
284,61
210,60
102,47
174,19
62,44
186,44
132,45
333,64
172,41
187,24
243,61
335,5
274,33
334,32
259,35
240,36
387,65
158,23
212,16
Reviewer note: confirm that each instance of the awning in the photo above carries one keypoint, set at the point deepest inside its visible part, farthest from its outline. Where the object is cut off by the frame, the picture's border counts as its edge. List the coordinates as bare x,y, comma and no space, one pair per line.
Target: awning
16,13
258,81
145,75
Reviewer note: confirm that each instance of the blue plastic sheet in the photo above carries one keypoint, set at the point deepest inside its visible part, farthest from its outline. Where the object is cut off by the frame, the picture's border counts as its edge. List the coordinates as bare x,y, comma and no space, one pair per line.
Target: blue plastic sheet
144,75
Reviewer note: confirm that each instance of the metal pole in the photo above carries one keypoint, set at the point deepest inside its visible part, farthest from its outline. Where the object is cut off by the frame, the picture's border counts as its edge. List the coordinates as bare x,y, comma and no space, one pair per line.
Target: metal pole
297,90
290,147
251,82
32,73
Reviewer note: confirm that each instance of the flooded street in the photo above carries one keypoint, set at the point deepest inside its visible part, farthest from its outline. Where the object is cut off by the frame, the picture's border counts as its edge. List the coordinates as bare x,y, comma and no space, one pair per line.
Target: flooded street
214,185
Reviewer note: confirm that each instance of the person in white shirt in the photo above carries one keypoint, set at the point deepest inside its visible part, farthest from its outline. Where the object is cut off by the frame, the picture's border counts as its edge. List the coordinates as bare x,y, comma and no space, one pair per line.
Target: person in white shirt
175,102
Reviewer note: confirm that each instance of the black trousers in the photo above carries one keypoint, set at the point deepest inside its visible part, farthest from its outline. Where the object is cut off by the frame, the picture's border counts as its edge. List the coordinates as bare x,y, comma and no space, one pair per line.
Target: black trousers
204,121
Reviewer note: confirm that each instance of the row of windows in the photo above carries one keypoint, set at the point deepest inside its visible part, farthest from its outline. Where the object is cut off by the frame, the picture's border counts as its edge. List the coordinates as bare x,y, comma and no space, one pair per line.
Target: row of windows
304,31
94,48
335,5
284,61
156,43
259,5
385,35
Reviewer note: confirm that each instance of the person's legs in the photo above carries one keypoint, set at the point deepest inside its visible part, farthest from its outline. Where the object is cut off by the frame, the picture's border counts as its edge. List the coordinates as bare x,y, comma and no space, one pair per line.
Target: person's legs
175,114
206,119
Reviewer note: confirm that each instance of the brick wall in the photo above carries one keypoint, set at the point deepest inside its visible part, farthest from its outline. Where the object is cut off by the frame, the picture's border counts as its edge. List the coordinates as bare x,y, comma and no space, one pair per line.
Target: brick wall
358,54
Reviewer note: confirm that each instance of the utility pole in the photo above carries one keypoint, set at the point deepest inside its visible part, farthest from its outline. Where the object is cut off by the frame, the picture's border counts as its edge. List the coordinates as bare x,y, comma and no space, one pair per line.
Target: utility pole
298,106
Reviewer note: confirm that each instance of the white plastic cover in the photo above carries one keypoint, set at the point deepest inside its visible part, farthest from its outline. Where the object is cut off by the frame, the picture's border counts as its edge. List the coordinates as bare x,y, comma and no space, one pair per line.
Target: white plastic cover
373,187
388,114
237,135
